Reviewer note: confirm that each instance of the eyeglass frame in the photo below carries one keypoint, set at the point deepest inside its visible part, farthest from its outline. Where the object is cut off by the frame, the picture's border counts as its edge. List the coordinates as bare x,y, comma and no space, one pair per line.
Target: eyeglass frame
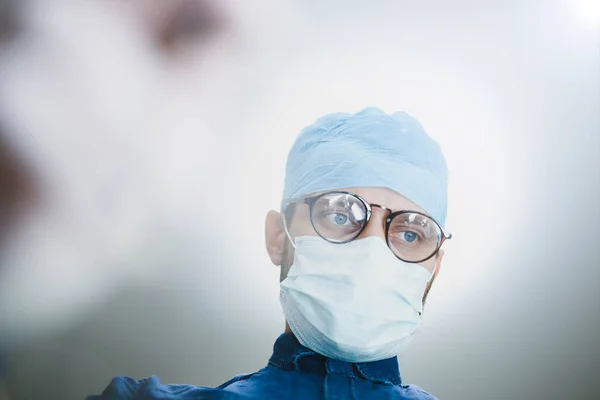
311,200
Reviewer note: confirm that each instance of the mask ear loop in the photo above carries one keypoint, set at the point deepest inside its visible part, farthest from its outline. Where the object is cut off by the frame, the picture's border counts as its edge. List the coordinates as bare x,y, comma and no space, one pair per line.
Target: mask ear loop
285,228
434,269
429,280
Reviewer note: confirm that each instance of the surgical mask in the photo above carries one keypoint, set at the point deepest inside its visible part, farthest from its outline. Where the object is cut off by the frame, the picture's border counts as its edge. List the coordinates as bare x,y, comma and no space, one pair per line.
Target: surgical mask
354,302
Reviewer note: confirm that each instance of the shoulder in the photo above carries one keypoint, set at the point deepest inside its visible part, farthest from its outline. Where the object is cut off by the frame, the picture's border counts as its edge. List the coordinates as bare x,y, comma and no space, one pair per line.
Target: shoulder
127,388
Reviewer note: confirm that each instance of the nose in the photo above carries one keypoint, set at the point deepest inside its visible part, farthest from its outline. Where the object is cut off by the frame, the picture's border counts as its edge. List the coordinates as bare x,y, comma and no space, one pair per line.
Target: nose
376,225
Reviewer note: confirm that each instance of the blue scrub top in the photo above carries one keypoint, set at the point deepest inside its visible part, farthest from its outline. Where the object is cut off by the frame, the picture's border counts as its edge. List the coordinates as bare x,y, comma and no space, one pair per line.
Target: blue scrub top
293,372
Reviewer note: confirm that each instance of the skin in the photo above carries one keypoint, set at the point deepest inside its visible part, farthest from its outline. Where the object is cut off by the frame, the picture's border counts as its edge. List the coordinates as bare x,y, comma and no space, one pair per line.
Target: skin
281,252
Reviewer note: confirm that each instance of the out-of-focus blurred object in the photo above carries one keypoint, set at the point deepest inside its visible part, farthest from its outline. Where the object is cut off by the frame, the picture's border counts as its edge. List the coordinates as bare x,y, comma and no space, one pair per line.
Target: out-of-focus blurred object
115,108
9,22
17,188
175,23
71,115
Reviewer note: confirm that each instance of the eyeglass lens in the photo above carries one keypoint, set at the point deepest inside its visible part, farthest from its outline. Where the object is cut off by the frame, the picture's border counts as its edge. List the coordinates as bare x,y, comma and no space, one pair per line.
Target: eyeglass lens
341,217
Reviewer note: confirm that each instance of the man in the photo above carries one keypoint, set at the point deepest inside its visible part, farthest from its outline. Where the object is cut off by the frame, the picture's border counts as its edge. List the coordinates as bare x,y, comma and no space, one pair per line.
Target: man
358,241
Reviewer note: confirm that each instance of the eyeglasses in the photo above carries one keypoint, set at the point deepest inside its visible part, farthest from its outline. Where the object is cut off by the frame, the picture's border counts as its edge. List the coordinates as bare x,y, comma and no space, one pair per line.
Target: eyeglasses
340,217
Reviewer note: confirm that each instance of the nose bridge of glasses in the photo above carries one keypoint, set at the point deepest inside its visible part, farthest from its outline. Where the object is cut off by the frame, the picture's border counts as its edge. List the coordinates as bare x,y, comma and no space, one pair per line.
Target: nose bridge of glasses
376,224
383,208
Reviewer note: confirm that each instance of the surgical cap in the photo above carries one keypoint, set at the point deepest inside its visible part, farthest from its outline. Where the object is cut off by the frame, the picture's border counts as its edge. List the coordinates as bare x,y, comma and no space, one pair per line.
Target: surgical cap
373,149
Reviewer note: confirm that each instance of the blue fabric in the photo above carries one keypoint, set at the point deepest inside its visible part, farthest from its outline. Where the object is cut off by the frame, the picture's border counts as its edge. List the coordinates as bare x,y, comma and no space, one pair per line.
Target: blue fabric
293,372
369,148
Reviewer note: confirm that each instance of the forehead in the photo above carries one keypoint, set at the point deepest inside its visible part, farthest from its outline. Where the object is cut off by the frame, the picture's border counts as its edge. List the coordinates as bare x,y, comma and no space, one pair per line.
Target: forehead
382,196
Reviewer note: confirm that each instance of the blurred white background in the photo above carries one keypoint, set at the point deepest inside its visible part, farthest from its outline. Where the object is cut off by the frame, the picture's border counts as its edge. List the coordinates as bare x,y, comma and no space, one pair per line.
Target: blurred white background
155,134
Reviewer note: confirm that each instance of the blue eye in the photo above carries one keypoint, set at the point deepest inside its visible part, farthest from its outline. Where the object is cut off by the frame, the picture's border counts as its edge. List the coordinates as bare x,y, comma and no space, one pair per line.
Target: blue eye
408,236
340,219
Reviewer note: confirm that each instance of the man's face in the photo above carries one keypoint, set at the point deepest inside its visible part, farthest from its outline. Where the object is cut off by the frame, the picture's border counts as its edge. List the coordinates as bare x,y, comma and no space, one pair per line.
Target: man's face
282,252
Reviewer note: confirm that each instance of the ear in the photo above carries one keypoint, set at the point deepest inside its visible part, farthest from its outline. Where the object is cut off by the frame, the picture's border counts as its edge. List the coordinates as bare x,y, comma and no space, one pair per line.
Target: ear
275,236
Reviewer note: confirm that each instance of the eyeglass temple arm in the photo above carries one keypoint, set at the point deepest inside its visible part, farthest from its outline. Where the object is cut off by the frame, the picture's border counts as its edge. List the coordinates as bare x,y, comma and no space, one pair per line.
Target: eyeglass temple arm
296,200
293,200
447,234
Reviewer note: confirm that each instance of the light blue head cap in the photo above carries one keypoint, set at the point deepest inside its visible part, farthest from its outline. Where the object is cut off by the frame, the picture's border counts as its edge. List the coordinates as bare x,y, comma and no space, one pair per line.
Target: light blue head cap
369,148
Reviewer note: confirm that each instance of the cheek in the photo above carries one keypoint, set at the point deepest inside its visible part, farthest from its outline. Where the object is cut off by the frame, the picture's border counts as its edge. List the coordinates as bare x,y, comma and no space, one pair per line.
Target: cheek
288,257
300,225
302,228
429,265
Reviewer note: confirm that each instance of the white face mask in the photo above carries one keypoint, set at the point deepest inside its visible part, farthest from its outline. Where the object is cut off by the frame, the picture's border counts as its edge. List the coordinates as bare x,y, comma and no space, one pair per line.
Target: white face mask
354,302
